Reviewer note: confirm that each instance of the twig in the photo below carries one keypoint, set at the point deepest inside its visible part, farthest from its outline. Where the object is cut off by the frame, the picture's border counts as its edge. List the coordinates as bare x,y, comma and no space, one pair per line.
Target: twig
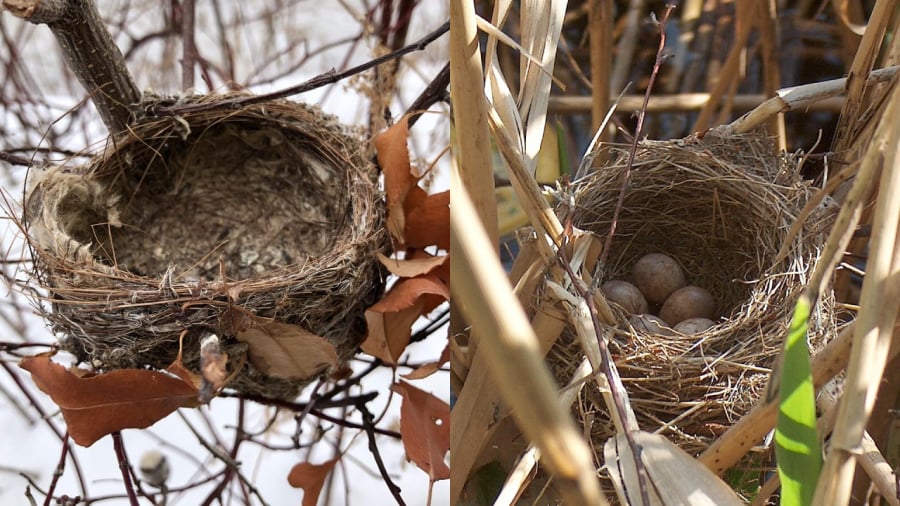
189,53
44,416
329,77
660,58
435,92
90,53
125,467
369,426
322,402
58,472
353,425
14,160
231,463
612,377
298,418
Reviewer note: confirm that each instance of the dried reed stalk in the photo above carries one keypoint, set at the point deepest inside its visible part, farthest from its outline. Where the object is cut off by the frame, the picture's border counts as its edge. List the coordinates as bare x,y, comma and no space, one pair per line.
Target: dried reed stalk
879,305
515,362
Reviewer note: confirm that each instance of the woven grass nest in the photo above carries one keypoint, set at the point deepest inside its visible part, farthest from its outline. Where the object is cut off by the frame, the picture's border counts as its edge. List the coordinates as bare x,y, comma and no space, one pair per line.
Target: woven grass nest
722,207
273,208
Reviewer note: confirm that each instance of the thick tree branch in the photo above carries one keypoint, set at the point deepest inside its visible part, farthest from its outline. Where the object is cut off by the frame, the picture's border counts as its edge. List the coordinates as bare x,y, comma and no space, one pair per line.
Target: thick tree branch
90,53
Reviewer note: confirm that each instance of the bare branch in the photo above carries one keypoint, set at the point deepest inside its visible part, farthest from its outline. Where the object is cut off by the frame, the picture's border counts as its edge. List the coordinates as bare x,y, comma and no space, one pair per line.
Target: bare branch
90,53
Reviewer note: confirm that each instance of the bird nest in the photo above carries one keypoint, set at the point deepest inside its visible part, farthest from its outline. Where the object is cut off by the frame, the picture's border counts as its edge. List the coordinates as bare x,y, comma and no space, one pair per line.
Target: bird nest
722,207
272,208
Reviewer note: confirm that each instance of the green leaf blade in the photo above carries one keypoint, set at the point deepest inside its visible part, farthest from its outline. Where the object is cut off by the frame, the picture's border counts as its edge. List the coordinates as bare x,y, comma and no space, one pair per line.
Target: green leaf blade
796,439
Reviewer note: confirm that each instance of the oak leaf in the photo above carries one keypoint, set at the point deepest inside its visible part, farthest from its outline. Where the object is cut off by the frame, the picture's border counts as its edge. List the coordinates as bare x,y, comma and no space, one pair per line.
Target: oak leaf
425,430
281,349
94,406
311,478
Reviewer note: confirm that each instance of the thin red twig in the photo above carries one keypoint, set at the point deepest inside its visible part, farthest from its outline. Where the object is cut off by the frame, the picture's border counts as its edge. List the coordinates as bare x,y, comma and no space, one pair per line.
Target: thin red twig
329,77
125,467
660,58
58,472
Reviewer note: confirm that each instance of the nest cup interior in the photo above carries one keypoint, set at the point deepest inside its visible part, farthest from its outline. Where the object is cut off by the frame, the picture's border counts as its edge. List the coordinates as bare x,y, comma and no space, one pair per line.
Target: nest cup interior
721,207
257,197
273,208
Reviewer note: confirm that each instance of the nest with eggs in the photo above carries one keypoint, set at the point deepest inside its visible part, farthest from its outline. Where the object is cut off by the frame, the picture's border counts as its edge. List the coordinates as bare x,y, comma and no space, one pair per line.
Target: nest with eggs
721,206
272,208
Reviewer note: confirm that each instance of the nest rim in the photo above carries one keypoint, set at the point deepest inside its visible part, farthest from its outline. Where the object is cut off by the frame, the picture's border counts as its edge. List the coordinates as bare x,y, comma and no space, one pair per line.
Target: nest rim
693,386
98,309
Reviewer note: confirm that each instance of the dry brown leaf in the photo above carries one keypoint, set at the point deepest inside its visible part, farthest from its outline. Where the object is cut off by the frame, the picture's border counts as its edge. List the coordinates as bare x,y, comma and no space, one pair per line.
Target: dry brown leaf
427,219
311,478
281,349
425,430
389,333
391,318
407,291
412,267
125,399
426,370
393,157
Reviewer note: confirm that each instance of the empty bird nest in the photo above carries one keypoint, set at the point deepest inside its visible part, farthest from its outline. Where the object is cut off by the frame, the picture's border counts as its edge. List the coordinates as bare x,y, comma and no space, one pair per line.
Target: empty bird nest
721,206
270,209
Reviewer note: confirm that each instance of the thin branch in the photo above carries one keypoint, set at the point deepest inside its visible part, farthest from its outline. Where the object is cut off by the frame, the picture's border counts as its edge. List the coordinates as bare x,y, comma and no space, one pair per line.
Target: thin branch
189,46
14,160
660,58
46,417
329,77
369,426
58,472
435,92
125,467
611,375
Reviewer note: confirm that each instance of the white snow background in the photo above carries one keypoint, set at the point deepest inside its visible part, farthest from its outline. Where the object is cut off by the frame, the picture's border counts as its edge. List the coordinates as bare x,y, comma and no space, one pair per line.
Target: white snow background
26,443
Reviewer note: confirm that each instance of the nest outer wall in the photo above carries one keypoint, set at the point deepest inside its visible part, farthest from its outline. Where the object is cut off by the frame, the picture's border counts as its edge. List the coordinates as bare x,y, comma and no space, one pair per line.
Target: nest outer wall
278,198
722,207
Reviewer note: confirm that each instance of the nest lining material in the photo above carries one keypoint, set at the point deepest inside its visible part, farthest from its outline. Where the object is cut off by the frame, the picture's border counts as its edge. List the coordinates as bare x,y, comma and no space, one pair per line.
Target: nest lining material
132,248
722,207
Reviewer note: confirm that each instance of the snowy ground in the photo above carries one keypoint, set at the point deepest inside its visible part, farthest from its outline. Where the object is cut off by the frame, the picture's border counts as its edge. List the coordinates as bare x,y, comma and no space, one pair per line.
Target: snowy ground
26,444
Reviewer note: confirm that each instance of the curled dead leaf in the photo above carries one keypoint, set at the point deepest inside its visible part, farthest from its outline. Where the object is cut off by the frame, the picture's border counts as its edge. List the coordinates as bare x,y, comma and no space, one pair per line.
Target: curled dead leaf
426,370
399,179
311,478
412,267
281,349
94,406
427,219
390,319
425,430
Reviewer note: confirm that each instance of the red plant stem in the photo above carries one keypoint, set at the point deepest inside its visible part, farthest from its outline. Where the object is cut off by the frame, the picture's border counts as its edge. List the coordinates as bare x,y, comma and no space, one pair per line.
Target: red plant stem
60,467
605,365
125,467
637,133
